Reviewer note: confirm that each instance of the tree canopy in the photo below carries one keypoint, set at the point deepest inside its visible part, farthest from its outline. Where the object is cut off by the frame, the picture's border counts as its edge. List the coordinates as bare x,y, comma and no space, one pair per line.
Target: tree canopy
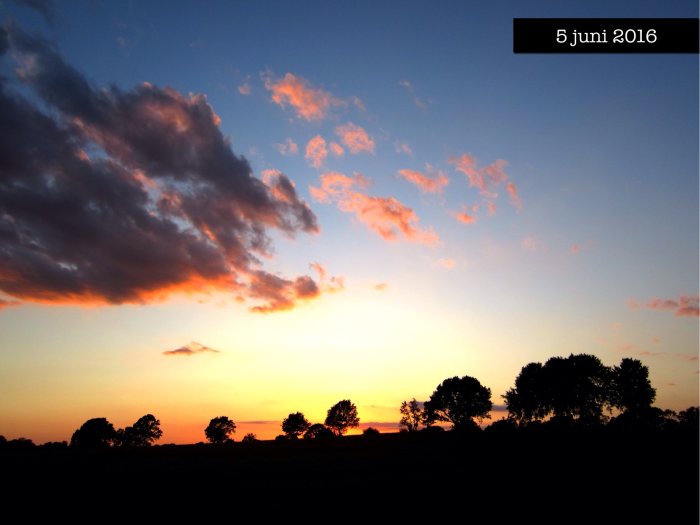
295,425
219,430
411,415
459,400
341,416
94,433
143,433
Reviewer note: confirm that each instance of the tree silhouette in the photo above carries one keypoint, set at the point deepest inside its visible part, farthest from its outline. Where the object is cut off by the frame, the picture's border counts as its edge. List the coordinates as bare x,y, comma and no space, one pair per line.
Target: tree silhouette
370,432
219,430
341,416
458,400
318,431
94,433
572,388
249,438
143,433
295,425
689,418
630,389
411,415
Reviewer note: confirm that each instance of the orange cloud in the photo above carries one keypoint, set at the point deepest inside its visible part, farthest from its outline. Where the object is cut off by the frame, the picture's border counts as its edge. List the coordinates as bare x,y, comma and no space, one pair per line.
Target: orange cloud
386,216
427,184
6,304
308,102
316,151
685,306
280,294
463,216
245,88
402,147
336,149
447,263
328,284
491,208
288,147
380,287
191,349
355,138
514,197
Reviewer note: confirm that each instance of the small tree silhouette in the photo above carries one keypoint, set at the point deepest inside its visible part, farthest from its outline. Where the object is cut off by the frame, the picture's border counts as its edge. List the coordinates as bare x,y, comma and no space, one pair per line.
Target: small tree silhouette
318,431
94,433
411,415
341,416
459,400
219,430
249,438
143,433
295,425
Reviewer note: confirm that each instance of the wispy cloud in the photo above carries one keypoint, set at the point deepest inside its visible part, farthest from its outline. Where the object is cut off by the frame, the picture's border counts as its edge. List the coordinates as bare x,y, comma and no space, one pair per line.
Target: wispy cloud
419,102
336,149
380,287
190,350
355,138
306,101
165,207
328,283
514,197
402,147
316,152
530,244
465,215
288,147
245,88
684,306
447,263
426,183
386,216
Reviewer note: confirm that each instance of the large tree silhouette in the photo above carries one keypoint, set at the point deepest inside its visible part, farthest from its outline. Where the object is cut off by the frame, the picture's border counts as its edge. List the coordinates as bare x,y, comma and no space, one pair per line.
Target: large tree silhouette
143,433
630,388
94,433
219,430
295,424
341,416
459,400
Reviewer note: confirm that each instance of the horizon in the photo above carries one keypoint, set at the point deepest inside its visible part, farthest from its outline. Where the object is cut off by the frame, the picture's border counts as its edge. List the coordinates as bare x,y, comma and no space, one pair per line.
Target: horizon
239,210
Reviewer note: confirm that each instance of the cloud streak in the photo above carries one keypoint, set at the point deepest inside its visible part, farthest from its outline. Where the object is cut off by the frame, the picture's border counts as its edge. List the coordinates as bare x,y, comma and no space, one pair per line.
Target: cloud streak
190,350
426,183
308,102
114,196
355,138
684,306
386,216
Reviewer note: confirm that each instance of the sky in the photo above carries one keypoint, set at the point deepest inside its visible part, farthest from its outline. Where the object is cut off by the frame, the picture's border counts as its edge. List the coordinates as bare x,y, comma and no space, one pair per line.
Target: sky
256,208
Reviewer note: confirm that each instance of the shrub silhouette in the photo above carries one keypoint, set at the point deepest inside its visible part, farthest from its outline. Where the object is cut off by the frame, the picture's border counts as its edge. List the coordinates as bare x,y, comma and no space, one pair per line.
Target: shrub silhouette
249,438
370,431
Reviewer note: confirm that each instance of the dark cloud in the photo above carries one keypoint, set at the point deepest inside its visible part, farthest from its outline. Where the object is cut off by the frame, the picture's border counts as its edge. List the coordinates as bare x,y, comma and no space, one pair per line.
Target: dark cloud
44,7
190,349
112,196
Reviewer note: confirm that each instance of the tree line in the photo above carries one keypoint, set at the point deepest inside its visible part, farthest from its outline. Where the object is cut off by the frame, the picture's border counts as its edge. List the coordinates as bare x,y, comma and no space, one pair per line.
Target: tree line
574,391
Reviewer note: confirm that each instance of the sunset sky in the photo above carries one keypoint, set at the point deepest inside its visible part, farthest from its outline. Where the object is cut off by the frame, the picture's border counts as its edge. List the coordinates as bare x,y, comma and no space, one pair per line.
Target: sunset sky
256,208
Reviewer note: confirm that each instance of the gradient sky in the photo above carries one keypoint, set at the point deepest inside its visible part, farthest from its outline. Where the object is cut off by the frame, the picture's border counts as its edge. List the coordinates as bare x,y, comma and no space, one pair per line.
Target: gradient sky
418,203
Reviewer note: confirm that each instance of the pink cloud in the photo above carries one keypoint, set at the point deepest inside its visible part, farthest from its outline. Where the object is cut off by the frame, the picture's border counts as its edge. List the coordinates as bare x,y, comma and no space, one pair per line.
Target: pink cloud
386,216
327,284
355,138
448,263
380,287
529,244
316,151
685,306
491,208
308,102
280,293
402,147
425,183
514,197
245,88
6,304
288,147
336,149
191,349
463,217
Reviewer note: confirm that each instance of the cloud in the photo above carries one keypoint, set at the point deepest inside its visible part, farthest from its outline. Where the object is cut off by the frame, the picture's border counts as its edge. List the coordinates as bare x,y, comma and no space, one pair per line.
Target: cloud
419,102
514,197
336,149
279,293
316,151
245,88
44,7
685,306
6,304
491,208
191,349
448,264
306,101
464,216
355,138
380,287
328,284
530,244
386,216
485,179
288,147
402,147
427,184
127,196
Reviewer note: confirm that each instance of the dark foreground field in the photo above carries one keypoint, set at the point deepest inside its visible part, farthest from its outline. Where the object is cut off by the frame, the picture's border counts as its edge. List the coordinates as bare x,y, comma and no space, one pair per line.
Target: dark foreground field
597,476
